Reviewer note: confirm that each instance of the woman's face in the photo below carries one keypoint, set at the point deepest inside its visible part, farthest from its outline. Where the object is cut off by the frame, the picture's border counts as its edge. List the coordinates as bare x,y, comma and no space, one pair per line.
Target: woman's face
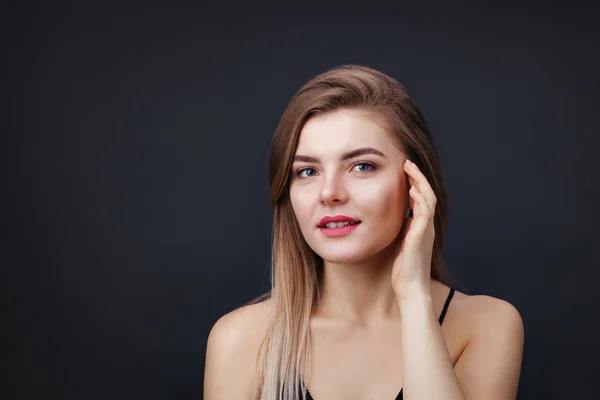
348,166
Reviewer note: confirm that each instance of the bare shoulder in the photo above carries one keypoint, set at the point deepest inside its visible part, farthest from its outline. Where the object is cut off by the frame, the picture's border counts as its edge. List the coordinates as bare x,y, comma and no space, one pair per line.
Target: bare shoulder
473,317
231,351
241,326
489,313
489,365
471,311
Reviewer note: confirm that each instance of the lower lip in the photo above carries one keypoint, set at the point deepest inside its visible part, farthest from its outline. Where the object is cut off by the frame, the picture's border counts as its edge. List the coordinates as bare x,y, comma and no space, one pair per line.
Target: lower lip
337,232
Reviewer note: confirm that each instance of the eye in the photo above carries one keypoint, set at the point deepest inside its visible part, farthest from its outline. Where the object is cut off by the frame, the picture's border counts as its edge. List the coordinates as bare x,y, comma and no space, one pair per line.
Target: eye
364,167
305,172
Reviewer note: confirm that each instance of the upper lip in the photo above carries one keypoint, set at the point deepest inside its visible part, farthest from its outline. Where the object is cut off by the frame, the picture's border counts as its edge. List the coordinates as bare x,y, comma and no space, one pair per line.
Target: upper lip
337,218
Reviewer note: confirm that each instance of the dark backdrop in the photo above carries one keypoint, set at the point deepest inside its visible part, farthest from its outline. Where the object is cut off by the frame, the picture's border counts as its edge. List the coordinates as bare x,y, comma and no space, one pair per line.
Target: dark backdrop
135,193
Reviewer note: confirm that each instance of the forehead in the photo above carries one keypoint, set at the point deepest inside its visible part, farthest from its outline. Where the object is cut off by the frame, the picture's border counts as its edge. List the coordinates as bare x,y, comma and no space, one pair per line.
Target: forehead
342,130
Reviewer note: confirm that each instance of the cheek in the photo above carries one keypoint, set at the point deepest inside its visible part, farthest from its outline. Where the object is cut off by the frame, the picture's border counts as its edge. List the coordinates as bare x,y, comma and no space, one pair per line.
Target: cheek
383,209
300,200
383,200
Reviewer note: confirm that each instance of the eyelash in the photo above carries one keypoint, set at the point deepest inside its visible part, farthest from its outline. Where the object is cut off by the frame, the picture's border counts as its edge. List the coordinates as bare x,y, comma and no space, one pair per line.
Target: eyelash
372,167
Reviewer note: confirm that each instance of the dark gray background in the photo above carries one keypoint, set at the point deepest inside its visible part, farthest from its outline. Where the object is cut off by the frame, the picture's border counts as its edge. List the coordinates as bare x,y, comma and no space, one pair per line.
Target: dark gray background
135,194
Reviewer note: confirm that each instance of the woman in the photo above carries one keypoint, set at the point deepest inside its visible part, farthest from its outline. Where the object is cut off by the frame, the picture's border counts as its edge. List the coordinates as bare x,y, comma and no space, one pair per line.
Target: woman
359,292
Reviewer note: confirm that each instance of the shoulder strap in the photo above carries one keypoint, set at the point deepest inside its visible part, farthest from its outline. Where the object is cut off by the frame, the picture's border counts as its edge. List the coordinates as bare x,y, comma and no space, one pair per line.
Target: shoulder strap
446,305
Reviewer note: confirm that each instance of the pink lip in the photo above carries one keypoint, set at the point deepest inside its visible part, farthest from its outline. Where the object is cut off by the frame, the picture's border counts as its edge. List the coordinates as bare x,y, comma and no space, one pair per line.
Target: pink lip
337,218
337,232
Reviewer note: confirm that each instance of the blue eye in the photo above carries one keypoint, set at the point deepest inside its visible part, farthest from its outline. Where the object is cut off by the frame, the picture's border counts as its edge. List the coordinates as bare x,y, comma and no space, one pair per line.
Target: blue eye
302,170
308,172
366,167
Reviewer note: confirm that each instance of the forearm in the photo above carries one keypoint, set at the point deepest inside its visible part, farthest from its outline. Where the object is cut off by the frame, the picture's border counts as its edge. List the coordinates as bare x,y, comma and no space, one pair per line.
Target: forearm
427,367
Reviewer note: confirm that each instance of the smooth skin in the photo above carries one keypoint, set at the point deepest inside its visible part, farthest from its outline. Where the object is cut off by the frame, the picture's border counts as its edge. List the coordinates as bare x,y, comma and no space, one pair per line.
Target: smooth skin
376,329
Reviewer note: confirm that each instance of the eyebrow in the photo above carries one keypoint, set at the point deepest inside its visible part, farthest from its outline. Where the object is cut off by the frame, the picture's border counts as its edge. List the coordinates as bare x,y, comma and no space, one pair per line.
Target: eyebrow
346,156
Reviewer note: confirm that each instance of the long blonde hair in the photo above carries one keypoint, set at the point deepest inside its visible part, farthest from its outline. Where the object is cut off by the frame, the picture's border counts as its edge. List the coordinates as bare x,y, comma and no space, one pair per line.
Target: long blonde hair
296,269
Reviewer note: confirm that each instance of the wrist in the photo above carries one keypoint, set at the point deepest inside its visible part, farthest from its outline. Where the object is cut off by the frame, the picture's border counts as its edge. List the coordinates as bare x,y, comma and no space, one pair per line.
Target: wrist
415,292
416,305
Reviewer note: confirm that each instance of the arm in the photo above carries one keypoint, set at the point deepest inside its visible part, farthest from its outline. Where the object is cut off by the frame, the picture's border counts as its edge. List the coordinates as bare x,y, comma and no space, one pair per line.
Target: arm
488,367
490,364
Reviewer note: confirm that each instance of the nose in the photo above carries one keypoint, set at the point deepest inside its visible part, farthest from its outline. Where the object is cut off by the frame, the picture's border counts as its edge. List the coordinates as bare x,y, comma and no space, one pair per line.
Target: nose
333,191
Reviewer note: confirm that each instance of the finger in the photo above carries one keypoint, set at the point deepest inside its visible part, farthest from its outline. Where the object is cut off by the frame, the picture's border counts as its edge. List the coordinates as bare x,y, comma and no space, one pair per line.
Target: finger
421,207
419,180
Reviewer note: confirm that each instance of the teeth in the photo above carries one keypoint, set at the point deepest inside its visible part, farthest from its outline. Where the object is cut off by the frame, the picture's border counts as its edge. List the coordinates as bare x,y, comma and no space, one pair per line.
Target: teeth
336,224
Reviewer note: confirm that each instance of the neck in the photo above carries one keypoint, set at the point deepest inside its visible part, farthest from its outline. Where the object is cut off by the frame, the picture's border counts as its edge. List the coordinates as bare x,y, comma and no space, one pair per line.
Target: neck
359,293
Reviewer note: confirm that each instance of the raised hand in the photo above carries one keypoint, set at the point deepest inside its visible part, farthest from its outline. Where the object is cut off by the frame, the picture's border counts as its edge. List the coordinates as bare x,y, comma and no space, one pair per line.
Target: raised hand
411,272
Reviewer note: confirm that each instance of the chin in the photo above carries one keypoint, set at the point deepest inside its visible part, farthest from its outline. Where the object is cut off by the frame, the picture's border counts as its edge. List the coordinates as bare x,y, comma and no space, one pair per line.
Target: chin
342,255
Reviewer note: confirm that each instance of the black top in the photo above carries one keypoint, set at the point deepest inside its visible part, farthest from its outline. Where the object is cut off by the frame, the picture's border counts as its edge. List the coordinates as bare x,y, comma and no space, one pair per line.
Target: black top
442,315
